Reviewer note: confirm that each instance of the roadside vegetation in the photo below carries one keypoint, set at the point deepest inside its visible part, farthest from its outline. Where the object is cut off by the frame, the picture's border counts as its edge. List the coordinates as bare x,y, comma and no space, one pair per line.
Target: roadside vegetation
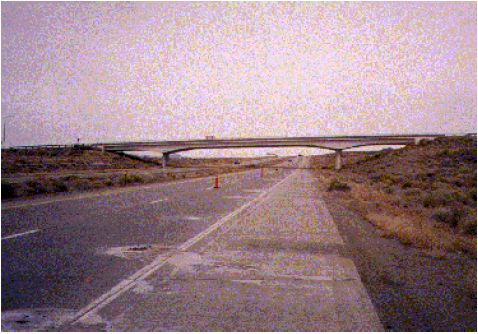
33,172
63,159
424,195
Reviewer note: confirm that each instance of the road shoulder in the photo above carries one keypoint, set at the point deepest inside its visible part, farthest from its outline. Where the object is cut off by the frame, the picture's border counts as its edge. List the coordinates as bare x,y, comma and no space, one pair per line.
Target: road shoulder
276,267
411,289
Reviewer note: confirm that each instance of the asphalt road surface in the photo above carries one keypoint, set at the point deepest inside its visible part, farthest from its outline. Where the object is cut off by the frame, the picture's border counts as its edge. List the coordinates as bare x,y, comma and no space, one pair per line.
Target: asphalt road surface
61,254
261,253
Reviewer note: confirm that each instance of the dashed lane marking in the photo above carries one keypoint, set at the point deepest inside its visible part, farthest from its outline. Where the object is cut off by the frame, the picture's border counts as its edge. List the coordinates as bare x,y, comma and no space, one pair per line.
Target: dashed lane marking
252,190
130,282
109,192
158,201
192,218
237,197
20,234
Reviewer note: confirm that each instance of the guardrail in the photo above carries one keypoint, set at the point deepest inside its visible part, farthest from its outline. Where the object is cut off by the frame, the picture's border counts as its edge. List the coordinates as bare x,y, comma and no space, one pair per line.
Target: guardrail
239,140
37,147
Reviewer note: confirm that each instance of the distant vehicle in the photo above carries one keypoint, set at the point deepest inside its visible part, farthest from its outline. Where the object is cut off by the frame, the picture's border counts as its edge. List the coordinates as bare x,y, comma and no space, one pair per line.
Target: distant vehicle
237,162
290,160
209,137
300,155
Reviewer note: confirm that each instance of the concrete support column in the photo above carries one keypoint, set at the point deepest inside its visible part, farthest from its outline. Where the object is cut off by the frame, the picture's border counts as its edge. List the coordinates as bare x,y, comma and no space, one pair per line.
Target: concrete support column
338,160
165,159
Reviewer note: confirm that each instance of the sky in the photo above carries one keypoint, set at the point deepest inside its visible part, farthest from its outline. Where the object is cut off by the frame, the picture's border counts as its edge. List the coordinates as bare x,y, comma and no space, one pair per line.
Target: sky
124,71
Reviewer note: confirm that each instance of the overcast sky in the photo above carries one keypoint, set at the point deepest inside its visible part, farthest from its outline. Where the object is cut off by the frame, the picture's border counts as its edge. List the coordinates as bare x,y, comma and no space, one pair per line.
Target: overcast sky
131,71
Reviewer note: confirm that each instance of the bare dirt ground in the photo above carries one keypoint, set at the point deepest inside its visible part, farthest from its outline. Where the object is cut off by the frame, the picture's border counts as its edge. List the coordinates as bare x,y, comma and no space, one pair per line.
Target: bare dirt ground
409,220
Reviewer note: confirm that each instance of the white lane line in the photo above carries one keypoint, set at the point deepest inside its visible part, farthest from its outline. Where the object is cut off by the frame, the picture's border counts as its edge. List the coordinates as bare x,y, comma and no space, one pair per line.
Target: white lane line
130,282
192,218
237,197
8,206
20,234
252,190
159,200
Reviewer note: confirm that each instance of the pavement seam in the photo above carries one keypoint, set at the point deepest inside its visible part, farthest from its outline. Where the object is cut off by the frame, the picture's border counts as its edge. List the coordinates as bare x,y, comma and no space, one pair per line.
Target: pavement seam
128,283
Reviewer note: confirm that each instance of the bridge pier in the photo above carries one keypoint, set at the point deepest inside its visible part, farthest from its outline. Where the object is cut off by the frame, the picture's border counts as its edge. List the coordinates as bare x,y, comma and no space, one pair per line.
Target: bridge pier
165,159
338,160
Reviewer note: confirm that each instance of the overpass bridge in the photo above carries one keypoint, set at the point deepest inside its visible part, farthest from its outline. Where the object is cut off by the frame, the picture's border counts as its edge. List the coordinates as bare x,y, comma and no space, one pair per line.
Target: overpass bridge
334,143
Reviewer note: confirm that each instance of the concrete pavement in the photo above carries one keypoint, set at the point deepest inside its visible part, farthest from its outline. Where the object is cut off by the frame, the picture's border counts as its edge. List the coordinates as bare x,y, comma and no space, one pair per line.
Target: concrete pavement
274,266
84,244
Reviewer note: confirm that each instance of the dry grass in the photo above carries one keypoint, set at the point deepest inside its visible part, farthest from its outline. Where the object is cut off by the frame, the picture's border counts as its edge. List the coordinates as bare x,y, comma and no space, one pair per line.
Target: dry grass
410,226
50,170
336,185
45,160
422,195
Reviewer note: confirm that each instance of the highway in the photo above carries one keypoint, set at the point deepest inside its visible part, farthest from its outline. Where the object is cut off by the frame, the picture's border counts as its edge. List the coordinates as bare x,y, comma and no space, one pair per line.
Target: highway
55,253
259,253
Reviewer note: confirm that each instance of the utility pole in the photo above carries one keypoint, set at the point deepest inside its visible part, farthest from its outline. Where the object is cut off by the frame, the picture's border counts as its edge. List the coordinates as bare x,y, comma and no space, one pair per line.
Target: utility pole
4,128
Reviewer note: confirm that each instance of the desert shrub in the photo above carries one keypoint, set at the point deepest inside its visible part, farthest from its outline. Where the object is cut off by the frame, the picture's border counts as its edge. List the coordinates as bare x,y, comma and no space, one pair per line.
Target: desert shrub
471,194
71,178
388,190
424,142
445,153
449,216
464,169
459,183
462,154
36,187
59,186
460,197
8,190
437,199
97,184
407,184
388,179
424,177
399,202
468,225
338,185
79,184
132,178
108,182
412,192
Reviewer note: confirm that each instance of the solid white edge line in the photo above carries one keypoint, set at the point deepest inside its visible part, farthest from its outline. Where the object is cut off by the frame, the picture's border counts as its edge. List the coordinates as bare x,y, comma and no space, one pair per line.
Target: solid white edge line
20,234
128,283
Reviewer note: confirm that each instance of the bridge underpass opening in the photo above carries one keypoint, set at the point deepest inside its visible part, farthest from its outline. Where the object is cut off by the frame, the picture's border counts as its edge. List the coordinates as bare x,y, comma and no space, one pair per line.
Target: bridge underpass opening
240,152
261,152
252,152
